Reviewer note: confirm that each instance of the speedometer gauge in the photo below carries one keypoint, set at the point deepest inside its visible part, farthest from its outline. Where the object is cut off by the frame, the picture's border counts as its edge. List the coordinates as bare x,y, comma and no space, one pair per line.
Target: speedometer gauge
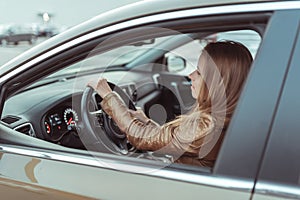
70,117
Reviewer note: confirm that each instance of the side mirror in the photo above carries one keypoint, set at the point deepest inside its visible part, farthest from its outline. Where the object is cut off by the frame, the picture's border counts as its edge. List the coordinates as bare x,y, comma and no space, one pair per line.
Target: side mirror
175,63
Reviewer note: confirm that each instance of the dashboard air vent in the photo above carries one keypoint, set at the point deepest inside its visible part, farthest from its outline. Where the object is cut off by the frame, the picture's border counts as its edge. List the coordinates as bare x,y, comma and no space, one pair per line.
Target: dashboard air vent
27,129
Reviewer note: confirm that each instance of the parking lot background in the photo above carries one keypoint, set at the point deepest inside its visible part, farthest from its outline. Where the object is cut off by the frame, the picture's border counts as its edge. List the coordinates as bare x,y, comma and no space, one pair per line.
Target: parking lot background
64,14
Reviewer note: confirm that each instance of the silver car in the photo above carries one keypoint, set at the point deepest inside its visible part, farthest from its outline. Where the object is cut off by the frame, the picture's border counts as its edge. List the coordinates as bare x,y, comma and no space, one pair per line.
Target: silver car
146,51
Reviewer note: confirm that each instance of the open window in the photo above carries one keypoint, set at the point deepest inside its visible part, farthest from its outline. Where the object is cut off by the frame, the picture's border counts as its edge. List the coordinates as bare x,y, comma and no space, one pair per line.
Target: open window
148,64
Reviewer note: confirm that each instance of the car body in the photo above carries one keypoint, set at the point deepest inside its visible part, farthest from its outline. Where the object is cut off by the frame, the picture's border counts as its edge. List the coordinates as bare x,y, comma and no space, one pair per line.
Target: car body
14,34
148,49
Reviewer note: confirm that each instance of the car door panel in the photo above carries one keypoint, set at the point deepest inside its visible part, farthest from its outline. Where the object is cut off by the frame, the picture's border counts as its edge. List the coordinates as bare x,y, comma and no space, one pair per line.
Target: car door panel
97,178
11,189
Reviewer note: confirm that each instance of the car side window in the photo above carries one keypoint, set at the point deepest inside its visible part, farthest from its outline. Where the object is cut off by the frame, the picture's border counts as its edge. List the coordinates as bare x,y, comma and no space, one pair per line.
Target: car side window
190,52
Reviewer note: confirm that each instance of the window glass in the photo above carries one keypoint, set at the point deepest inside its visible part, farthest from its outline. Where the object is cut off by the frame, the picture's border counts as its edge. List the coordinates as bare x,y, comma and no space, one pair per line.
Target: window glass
116,57
191,51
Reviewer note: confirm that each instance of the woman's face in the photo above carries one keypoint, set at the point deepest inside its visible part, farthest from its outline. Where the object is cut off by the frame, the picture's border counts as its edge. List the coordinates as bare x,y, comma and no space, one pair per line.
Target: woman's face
196,79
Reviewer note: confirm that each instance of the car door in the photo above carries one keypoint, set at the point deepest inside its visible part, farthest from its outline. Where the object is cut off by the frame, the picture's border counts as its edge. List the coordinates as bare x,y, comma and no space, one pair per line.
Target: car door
278,177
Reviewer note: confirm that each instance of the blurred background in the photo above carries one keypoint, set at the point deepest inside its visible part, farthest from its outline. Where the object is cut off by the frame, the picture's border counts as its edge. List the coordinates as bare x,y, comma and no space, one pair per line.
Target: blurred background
24,24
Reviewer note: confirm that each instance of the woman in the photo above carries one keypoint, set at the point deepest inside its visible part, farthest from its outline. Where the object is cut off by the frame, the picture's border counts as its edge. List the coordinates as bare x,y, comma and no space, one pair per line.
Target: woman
194,138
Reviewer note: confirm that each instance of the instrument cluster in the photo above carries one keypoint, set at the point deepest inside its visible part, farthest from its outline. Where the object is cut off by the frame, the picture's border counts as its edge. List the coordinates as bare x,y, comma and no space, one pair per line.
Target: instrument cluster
61,122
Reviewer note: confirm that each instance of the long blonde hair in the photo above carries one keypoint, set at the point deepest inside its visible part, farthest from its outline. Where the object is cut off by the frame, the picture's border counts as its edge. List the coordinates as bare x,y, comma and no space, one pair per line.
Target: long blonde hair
224,67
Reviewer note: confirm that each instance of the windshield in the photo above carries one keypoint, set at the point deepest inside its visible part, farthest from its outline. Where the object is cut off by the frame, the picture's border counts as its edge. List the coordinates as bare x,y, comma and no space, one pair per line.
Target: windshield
117,57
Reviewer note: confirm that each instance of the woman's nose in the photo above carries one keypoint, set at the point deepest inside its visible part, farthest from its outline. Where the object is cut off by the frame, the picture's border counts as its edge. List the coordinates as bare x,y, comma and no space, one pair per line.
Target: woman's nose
191,74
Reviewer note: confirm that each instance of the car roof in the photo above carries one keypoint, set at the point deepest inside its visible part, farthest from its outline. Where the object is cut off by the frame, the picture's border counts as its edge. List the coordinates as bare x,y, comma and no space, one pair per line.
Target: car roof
124,13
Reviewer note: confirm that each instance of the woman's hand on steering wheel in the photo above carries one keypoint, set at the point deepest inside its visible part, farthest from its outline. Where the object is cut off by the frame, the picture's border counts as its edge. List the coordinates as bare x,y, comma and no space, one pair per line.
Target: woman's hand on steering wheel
98,131
101,87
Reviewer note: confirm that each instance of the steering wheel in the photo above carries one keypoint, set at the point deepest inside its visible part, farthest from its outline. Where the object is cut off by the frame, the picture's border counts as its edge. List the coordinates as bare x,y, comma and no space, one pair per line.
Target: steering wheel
98,131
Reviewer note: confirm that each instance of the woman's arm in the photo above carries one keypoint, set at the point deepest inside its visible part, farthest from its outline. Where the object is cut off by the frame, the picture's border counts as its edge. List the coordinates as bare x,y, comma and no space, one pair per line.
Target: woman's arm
141,131
148,135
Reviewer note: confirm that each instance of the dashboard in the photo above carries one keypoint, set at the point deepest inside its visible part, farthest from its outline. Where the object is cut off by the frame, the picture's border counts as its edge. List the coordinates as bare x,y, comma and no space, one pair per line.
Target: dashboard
52,111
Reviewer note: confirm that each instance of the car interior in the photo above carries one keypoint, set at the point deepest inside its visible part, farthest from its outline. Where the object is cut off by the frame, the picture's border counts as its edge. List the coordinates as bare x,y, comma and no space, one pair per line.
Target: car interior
51,107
